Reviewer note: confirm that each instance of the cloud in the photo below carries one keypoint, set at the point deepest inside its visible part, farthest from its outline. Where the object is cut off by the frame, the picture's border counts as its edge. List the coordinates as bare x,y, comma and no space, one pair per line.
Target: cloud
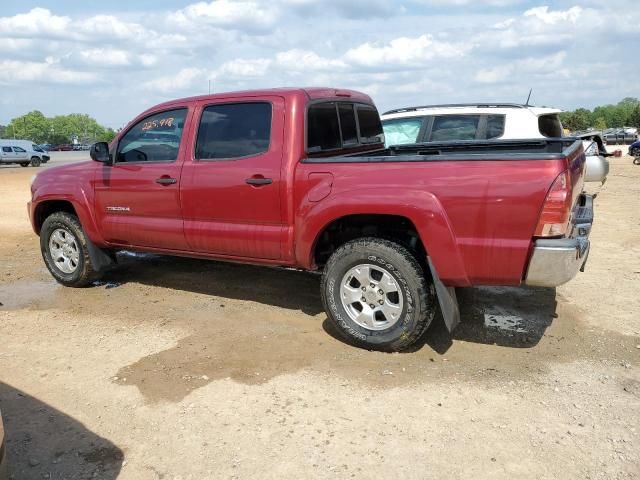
49,71
299,60
551,18
38,22
245,68
529,66
405,51
111,57
184,79
228,14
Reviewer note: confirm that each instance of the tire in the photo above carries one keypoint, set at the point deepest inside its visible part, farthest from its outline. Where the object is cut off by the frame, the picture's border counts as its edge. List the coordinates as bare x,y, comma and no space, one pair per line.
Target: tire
636,161
63,230
24,164
399,318
35,161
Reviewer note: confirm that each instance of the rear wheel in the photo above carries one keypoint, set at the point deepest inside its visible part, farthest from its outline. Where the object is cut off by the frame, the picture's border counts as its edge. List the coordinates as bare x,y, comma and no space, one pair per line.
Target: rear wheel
376,294
64,249
35,161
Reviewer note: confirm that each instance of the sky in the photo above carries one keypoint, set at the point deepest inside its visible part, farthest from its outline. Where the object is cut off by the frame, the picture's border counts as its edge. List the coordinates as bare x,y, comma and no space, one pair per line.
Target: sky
113,59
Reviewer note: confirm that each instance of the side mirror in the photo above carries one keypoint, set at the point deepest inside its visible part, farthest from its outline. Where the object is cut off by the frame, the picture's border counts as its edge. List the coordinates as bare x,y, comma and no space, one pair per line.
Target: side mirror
100,153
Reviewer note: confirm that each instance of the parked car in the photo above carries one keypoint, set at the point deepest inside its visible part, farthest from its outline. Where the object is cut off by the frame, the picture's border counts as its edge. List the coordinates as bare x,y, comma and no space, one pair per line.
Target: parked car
22,152
621,136
3,453
484,121
634,149
300,178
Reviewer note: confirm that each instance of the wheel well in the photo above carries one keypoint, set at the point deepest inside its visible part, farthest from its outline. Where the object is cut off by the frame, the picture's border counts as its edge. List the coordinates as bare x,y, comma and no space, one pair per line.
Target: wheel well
45,209
391,227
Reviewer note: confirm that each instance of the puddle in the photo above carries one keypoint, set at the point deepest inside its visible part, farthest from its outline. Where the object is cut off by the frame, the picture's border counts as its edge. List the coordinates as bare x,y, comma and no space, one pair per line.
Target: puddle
500,319
28,294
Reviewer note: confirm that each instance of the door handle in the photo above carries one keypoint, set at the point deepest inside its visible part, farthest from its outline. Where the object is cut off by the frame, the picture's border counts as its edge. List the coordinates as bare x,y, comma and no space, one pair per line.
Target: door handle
258,181
166,181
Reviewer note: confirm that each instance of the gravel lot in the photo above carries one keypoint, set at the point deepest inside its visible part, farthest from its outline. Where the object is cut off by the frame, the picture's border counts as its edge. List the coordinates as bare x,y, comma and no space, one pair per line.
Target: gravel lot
187,369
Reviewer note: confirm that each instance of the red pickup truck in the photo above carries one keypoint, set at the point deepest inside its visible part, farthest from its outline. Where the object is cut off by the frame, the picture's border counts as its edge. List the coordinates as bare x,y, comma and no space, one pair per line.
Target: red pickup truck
301,178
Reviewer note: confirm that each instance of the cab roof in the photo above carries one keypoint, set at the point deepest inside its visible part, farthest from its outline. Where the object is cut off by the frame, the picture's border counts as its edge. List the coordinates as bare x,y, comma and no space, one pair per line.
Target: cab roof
312,93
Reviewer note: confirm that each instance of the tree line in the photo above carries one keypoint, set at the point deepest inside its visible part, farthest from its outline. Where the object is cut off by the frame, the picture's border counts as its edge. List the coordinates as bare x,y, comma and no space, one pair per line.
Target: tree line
36,127
625,113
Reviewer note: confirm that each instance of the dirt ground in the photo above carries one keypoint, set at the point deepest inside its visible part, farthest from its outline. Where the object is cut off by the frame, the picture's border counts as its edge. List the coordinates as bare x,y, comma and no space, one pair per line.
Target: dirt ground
186,369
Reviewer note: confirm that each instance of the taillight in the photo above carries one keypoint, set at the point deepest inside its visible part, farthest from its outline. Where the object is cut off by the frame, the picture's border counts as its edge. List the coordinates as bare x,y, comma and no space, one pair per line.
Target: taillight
556,211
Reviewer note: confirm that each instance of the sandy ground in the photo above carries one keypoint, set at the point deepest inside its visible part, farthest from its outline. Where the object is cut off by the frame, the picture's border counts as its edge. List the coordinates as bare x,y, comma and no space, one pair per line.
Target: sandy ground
187,369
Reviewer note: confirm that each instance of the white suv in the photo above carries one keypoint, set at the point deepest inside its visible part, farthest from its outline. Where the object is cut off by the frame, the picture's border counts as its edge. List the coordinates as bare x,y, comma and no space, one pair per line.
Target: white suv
483,121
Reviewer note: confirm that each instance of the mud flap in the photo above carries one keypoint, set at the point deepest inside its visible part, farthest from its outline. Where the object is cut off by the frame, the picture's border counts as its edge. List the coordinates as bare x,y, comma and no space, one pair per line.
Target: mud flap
447,299
100,259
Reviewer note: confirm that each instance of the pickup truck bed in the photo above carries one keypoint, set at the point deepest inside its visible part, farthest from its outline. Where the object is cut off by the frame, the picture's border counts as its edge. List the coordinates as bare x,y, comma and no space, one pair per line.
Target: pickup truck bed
481,238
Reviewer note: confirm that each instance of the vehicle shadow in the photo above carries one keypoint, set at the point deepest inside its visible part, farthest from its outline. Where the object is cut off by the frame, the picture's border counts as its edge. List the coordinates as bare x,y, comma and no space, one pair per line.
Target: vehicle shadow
284,288
515,317
43,442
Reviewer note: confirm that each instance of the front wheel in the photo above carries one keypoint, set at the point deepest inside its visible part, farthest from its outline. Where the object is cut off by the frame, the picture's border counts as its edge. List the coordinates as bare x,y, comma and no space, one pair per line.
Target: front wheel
376,294
64,249
35,161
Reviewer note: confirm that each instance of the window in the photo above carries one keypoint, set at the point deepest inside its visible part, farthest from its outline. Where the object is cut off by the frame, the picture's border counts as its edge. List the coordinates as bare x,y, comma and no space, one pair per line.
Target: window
348,125
454,127
495,126
550,125
19,150
36,148
6,149
370,126
335,125
154,139
323,129
234,131
401,131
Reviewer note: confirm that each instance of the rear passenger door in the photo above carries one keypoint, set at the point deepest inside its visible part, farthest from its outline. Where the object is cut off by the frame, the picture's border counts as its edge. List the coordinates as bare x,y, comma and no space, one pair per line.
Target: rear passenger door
6,154
232,182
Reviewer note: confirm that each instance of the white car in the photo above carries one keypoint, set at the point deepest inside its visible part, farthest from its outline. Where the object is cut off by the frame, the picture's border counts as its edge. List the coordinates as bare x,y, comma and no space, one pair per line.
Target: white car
22,152
486,121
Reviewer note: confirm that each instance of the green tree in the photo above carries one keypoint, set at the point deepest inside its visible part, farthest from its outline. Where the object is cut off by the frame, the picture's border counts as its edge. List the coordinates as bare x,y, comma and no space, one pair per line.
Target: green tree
33,126
634,117
600,123
107,135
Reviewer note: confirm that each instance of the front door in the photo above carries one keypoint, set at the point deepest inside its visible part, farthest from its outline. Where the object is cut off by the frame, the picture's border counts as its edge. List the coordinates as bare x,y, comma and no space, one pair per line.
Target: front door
20,154
137,199
231,184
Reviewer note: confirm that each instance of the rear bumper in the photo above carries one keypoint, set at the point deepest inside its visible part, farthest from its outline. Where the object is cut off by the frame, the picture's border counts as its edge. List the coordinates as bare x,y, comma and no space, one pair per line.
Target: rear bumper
556,261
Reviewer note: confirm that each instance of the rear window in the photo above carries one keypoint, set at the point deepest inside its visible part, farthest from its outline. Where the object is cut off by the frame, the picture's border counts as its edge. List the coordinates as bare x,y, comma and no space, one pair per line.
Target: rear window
6,149
336,125
370,125
550,125
402,131
234,131
454,127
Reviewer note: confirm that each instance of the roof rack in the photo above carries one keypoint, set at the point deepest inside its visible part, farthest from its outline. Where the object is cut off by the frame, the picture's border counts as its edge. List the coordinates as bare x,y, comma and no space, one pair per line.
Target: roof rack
447,105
